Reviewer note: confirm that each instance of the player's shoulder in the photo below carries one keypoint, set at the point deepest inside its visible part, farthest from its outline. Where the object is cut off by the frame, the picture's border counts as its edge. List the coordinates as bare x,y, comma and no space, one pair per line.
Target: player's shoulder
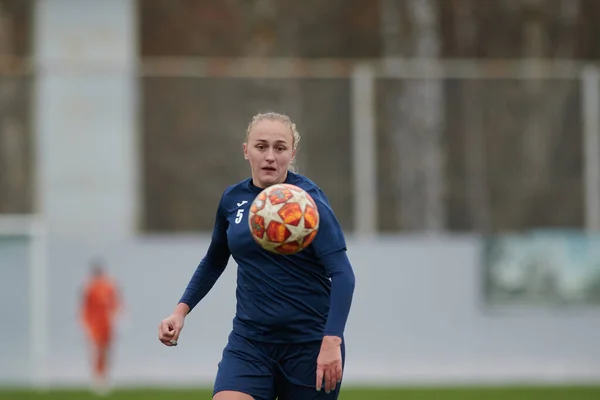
111,282
93,286
236,188
308,185
237,193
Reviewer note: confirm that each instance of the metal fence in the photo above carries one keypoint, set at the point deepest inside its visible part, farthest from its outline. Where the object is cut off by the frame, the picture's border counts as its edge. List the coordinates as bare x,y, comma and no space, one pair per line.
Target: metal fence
398,145
412,145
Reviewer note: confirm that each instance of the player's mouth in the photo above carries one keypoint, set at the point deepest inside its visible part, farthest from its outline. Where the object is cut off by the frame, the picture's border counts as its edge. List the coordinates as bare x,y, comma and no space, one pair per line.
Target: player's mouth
269,169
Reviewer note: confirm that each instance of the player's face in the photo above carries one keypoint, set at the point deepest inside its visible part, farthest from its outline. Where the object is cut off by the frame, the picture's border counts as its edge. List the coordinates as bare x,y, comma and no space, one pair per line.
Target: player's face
269,151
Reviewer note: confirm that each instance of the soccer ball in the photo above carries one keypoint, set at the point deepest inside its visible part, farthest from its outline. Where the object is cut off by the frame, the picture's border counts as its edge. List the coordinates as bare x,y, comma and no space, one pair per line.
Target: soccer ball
283,219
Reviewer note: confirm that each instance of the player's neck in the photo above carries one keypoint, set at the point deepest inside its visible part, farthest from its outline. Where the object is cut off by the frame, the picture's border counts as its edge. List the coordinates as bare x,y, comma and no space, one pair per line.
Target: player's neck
262,186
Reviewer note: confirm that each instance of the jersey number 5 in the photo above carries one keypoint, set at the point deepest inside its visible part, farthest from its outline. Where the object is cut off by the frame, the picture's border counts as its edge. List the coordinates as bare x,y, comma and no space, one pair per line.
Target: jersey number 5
239,216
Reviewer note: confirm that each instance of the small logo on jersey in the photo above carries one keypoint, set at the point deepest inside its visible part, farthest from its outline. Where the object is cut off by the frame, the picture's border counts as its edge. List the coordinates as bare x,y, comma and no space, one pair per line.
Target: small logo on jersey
241,203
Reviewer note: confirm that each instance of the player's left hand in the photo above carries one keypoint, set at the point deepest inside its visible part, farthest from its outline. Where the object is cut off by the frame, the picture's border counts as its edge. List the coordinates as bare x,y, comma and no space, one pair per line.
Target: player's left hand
329,363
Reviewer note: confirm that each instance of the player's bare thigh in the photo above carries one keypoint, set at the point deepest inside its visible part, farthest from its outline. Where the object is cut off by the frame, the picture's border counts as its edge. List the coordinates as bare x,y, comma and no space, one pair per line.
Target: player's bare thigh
231,395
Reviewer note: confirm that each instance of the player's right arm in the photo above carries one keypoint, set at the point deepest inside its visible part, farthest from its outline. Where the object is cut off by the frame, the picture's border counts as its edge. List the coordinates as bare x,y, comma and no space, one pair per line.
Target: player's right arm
85,307
204,278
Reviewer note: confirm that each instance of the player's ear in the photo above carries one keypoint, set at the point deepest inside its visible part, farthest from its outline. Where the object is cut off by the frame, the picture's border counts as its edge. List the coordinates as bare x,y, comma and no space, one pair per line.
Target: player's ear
245,151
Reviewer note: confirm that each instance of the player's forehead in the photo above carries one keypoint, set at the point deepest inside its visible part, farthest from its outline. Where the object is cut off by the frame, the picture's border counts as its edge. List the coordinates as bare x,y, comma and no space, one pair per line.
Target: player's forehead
271,131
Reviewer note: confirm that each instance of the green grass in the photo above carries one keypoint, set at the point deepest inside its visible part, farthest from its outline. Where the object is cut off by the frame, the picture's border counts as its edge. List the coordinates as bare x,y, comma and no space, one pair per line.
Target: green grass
512,393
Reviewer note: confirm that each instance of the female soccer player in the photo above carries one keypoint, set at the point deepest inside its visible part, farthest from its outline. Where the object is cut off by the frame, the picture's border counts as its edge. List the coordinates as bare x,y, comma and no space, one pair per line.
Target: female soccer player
287,340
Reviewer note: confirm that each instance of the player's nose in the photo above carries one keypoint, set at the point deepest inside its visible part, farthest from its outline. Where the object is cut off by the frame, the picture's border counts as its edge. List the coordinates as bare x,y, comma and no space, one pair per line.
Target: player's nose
270,156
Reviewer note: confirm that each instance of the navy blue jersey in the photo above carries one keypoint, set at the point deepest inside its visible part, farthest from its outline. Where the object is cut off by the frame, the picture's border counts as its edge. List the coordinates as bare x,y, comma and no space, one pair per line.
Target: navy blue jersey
280,298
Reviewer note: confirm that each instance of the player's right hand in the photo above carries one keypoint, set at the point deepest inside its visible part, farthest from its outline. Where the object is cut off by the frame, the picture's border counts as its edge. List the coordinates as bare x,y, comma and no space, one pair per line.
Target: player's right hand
169,329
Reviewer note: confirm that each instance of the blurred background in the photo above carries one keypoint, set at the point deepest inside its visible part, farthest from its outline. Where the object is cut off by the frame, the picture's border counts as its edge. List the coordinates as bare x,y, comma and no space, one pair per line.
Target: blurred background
457,140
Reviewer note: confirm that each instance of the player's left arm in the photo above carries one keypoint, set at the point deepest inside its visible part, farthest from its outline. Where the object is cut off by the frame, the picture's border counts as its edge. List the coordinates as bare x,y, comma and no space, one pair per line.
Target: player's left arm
117,306
343,281
330,247
329,363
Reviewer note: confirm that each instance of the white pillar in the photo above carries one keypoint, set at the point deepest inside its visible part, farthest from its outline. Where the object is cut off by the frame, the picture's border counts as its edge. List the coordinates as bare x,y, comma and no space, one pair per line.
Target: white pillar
364,152
85,108
590,89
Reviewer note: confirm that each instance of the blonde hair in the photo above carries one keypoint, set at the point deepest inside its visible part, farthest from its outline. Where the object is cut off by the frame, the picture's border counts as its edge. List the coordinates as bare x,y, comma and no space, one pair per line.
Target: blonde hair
273,116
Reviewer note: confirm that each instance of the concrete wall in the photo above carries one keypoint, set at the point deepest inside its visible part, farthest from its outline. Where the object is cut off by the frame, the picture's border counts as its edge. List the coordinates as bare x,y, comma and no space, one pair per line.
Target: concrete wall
417,317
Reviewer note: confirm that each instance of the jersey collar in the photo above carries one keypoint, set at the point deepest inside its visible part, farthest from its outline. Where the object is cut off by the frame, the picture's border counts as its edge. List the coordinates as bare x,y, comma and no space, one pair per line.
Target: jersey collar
288,179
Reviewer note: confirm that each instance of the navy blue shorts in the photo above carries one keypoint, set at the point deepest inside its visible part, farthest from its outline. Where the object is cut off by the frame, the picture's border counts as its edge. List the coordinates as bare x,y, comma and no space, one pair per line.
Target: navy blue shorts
269,371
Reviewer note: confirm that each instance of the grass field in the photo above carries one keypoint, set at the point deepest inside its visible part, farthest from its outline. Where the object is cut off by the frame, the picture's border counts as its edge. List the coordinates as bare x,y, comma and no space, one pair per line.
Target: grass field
516,393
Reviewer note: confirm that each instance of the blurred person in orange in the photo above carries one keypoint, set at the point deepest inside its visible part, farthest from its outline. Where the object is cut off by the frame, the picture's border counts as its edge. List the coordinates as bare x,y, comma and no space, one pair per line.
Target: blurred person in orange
100,306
